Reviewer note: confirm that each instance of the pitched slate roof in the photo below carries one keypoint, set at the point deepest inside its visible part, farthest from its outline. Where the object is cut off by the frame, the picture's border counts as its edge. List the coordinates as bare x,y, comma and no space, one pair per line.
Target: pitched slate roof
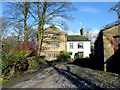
76,38
53,29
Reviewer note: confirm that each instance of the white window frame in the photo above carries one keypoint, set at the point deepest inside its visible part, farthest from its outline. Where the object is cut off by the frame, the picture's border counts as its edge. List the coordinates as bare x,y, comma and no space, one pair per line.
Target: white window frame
80,45
52,45
51,55
51,35
71,45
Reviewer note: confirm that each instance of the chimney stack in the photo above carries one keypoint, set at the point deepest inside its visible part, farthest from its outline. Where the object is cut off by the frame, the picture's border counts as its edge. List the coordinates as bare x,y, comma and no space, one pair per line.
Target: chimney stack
82,31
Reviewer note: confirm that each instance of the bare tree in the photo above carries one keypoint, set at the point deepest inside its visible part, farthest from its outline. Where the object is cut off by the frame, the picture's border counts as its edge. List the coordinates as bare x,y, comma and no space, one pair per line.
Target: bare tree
5,26
116,8
10,44
0,27
18,12
90,35
18,30
46,14
32,35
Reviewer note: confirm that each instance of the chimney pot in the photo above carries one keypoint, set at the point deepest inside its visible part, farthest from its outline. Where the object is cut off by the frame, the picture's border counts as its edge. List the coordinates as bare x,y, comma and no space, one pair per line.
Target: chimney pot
82,31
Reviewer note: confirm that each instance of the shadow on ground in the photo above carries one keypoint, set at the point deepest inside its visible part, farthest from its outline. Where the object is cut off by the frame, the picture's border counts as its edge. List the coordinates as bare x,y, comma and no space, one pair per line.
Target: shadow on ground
86,62
113,63
78,81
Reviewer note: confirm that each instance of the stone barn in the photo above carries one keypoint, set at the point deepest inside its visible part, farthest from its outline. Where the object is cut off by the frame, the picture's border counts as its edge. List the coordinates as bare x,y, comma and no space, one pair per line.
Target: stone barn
106,45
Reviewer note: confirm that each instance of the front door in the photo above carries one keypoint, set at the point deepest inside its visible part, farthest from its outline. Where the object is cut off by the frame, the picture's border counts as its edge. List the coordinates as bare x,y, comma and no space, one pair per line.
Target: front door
116,43
81,54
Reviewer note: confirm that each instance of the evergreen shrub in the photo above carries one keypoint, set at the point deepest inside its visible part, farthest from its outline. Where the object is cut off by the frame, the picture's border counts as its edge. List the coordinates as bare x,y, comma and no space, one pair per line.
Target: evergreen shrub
64,56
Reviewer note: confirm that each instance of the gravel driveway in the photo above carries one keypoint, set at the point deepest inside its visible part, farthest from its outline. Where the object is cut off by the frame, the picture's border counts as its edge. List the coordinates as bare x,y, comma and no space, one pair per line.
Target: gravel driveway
69,76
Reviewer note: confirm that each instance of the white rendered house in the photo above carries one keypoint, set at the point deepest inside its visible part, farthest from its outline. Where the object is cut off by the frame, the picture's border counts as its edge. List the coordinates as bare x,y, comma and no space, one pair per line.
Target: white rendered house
78,44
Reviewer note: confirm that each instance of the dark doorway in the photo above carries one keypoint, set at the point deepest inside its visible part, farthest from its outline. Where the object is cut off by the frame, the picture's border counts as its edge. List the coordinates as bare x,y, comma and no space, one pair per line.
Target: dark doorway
81,54
116,43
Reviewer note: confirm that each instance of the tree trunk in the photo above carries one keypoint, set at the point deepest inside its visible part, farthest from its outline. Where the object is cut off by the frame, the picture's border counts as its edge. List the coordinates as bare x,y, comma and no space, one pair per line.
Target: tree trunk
41,27
18,39
27,6
39,30
40,34
25,34
25,27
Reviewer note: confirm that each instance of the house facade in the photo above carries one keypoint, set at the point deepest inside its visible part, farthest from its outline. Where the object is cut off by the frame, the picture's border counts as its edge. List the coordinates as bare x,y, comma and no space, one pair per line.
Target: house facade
106,44
54,41
78,44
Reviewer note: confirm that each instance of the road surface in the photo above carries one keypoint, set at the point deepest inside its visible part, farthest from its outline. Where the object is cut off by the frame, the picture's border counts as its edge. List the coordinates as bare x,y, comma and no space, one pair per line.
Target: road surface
67,76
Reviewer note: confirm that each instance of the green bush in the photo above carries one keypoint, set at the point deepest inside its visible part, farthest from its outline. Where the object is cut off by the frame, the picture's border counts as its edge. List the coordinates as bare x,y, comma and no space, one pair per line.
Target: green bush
13,63
36,61
76,55
64,56
24,53
4,81
86,57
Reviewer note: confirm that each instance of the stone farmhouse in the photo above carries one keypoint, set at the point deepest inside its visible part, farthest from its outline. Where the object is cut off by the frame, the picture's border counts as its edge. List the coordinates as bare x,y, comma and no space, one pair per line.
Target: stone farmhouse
55,40
106,45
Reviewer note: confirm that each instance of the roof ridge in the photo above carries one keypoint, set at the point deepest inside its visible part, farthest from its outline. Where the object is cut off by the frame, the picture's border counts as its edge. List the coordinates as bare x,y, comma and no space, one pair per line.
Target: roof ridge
74,35
77,38
77,35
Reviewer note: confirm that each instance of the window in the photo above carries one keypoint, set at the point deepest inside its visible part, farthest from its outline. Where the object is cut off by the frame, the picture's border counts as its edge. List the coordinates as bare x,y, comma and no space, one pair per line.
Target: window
55,54
119,29
118,43
80,45
51,35
81,54
48,55
54,45
71,45
48,45
54,35
58,34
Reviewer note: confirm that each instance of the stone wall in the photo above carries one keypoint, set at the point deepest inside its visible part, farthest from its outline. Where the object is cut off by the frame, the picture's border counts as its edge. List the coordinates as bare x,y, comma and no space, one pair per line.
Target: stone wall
105,42
108,42
99,52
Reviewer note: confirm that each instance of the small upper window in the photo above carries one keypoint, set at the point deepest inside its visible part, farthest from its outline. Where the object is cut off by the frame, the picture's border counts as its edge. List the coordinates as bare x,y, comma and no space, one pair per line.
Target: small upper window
51,35
58,34
71,45
54,35
80,45
55,45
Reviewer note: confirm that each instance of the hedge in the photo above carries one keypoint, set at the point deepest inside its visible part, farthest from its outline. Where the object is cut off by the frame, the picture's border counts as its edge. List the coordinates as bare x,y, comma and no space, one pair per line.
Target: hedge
12,64
64,56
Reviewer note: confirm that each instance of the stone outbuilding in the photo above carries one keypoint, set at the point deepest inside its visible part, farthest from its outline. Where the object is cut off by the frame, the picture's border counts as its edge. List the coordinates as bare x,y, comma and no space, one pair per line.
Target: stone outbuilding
106,45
